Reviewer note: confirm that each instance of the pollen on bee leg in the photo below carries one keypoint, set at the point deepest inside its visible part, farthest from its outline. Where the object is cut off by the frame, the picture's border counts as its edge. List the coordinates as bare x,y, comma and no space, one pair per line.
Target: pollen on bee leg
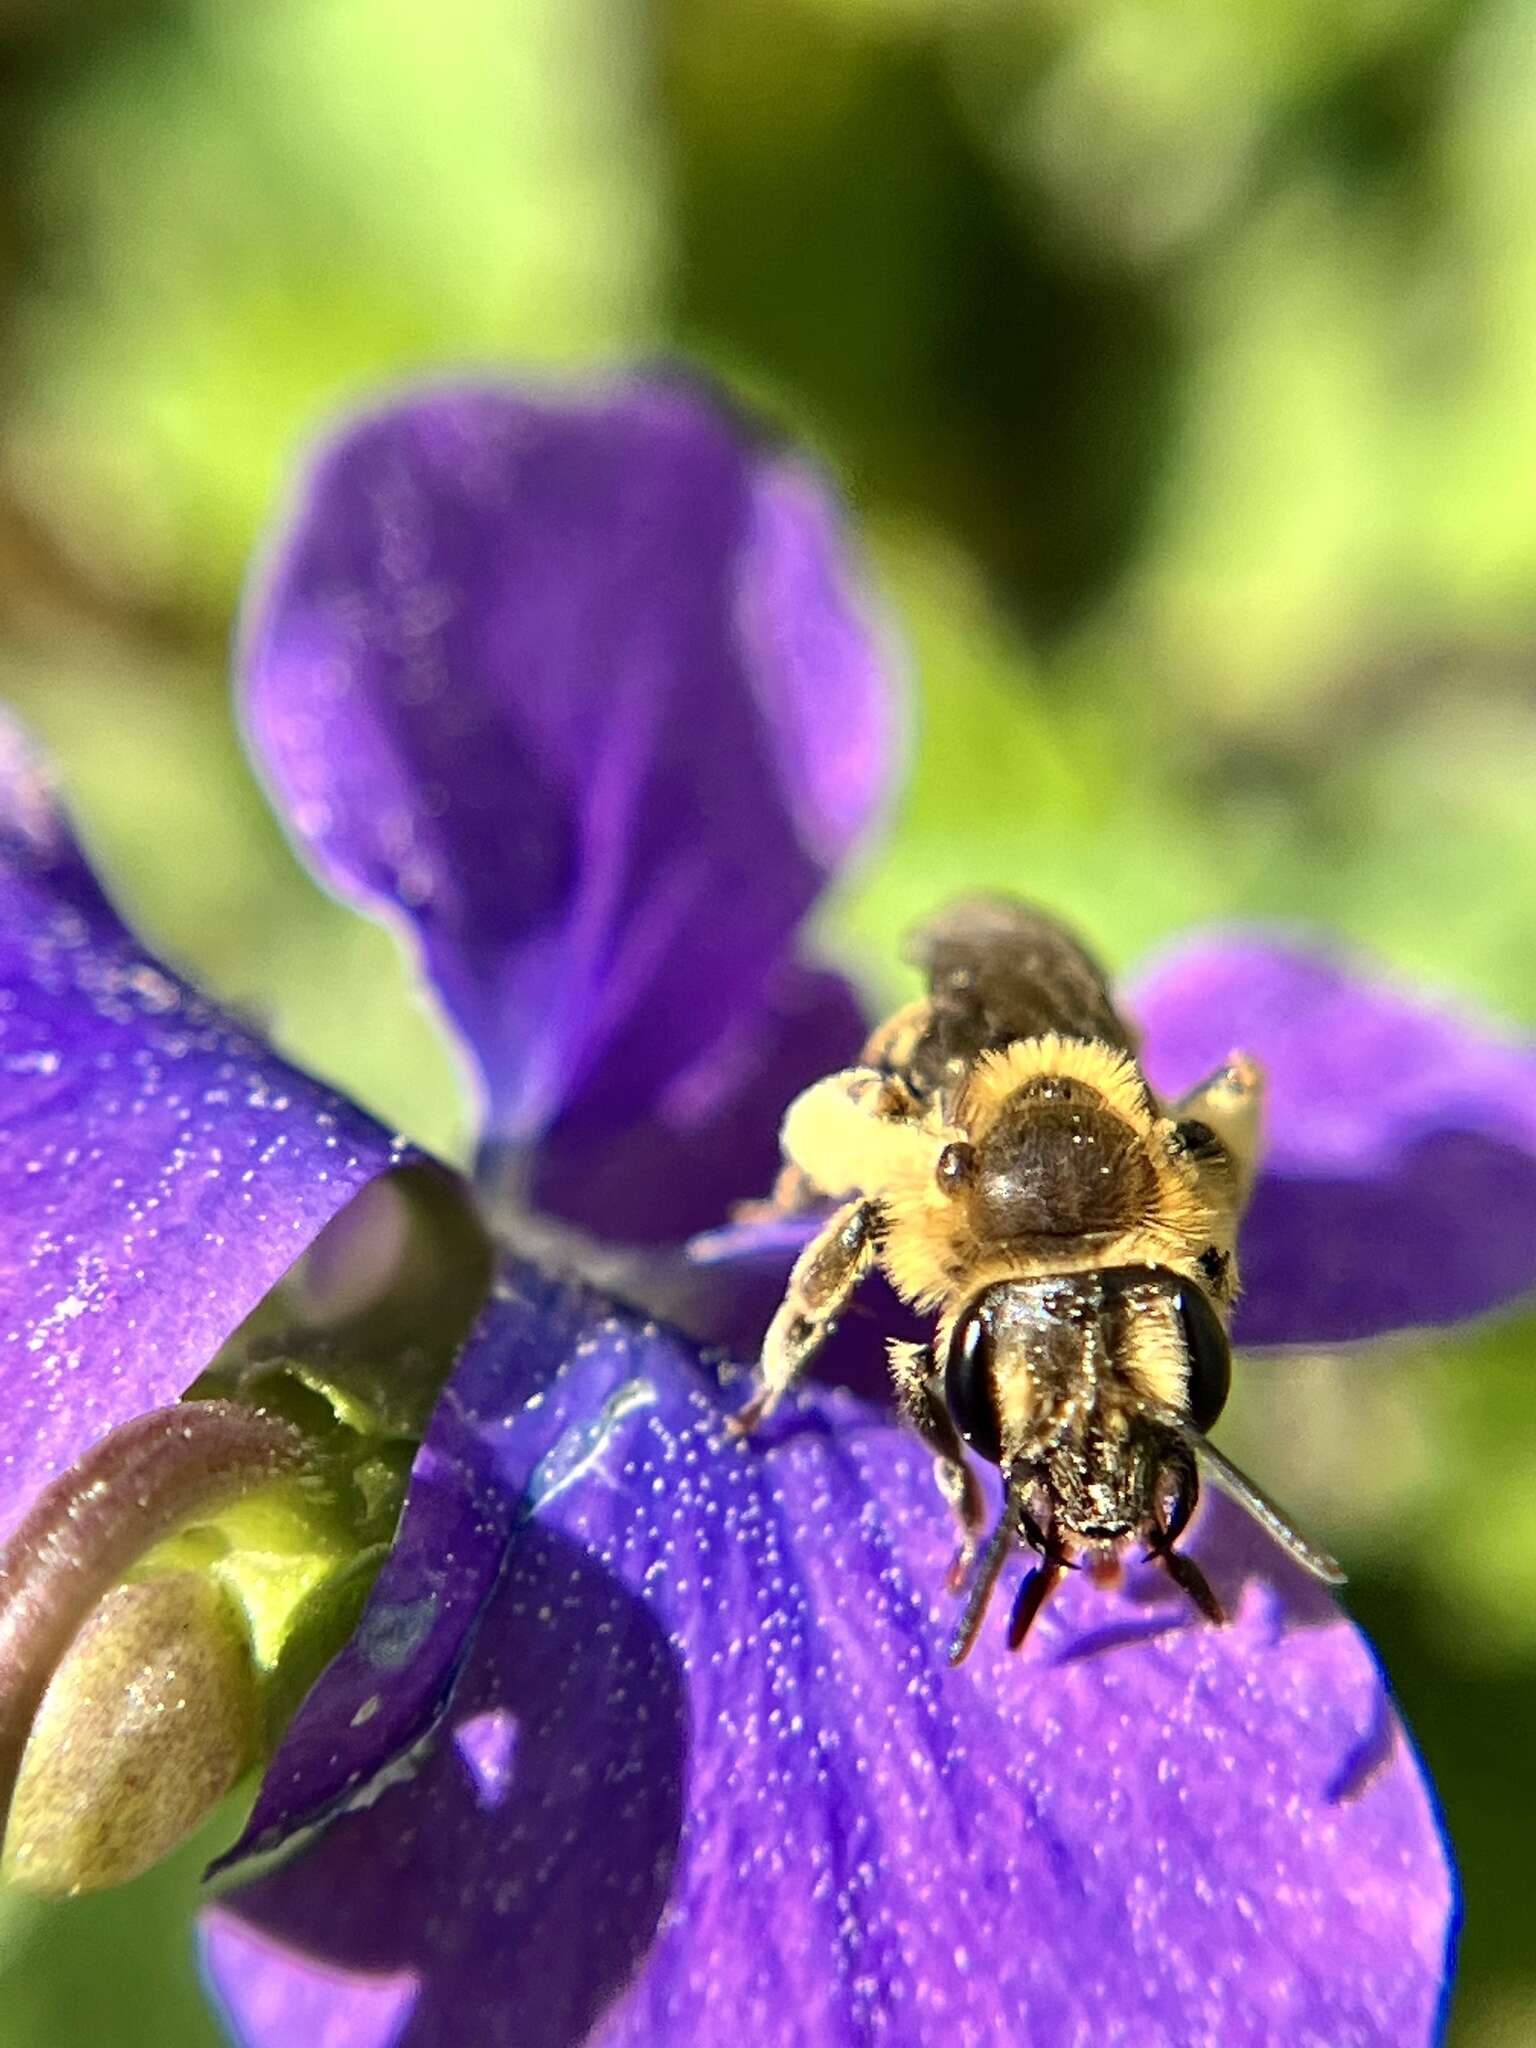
794,1193
1231,1103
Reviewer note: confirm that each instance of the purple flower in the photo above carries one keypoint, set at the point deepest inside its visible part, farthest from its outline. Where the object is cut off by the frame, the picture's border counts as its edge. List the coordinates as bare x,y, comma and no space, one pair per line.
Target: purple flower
647,1736
159,1168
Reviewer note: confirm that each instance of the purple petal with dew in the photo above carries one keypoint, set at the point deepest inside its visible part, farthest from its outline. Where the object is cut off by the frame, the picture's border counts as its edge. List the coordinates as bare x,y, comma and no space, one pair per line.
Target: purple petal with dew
704,1775
1399,1177
579,691
160,1169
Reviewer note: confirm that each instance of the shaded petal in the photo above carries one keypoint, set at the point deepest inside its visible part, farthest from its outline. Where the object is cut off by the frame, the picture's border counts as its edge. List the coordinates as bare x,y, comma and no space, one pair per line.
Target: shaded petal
578,692
160,1169
703,1774
723,1286
1399,1178
712,1138
320,2008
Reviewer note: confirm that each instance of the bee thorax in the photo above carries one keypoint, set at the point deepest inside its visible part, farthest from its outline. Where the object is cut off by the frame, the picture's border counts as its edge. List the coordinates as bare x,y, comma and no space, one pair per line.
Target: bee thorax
1058,1168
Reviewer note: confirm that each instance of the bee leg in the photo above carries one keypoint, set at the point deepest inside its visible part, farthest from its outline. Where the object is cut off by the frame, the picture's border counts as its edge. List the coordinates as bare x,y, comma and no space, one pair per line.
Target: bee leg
1183,1571
1227,1108
922,1396
834,1139
891,1044
961,1488
999,1543
823,1277
1187,1575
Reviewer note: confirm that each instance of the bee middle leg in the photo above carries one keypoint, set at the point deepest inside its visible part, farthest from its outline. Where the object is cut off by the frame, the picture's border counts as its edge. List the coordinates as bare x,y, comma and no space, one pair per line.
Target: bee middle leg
921,1388
1228,1106
1004,1535
823,1277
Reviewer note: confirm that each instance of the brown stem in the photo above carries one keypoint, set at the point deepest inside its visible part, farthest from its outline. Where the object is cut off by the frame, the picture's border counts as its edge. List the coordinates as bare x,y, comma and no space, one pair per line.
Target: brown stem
86,1529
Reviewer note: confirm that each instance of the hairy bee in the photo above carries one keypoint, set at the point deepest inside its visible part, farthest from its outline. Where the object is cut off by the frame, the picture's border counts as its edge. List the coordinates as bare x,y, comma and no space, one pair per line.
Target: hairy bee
999,1154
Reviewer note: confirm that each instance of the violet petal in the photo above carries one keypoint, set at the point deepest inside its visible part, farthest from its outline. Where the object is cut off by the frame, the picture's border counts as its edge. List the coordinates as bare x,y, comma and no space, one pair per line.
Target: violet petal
320,2008
578,691
712,1139
705,1776
160,1169
1399,1178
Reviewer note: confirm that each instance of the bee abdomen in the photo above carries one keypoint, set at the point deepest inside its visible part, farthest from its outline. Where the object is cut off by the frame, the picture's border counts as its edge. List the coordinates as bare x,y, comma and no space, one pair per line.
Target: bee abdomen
998,970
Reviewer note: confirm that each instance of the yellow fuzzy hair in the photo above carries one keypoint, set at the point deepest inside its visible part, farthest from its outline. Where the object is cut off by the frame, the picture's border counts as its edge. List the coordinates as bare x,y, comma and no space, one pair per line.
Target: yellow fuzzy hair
834,1132
998,1076
927,1250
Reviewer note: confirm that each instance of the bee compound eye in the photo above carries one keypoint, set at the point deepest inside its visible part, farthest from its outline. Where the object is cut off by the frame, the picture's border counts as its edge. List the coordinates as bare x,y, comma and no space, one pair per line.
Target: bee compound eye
956,1165
969,1387
1210,1356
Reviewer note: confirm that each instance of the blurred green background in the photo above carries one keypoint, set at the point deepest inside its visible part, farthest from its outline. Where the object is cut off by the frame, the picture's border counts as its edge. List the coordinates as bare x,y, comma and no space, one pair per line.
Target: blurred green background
1179,359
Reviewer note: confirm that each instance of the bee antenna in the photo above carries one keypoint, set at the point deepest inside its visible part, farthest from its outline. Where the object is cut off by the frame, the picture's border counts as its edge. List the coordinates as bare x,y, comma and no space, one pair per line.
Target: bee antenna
1237,1486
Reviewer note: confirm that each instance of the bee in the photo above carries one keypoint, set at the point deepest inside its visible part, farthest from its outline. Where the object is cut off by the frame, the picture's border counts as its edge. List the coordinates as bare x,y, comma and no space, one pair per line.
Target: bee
998,1153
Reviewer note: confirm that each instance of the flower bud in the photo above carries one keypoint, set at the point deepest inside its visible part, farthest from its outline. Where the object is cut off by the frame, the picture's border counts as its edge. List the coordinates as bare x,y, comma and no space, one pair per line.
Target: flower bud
151,1717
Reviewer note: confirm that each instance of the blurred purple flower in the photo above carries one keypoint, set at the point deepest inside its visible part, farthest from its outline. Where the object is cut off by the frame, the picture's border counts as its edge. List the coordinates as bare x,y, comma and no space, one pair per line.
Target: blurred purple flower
580,696
647,1736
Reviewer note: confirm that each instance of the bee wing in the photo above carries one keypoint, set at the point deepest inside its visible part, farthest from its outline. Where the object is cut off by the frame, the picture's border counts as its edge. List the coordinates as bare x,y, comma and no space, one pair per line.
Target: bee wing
1239,1487
1000,969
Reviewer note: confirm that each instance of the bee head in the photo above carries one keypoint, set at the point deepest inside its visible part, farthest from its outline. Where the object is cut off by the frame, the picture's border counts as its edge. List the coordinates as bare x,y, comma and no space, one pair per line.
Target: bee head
1067,1365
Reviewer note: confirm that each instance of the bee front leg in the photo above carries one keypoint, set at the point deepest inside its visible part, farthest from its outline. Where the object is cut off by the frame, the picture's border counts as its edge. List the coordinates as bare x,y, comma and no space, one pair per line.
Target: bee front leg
824,1276
921,1388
